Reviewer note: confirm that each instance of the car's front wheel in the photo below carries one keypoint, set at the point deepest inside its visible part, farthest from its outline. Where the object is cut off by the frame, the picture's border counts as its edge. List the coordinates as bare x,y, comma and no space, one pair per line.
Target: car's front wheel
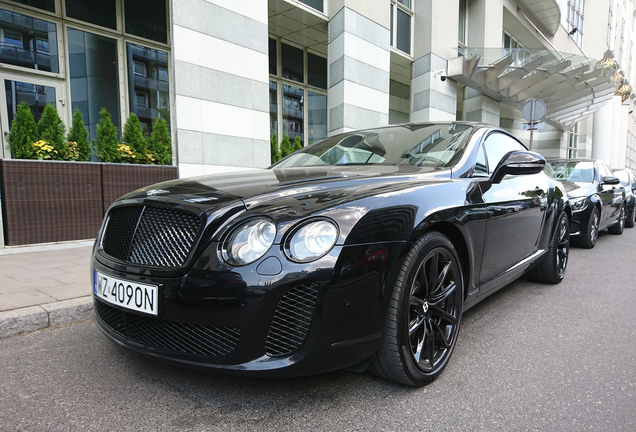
619,226
424,314
589,240
630,221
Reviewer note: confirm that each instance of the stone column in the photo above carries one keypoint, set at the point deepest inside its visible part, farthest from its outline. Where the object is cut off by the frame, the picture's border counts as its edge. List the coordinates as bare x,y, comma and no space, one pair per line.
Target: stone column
220,62
436,33
359,65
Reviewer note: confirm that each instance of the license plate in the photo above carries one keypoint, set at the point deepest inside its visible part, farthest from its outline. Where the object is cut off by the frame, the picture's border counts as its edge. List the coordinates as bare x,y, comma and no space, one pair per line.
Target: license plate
130,295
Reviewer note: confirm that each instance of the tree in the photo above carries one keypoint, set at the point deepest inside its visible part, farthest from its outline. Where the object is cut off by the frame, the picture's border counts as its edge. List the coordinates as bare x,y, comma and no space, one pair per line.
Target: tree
134,138
285,146
159,144
297,144
23,133
79,135
275,151
106,146
52,130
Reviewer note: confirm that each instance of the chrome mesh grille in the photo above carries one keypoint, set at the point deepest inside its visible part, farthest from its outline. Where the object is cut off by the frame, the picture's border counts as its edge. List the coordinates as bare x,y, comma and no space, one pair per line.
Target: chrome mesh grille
172,336
152,236
292,320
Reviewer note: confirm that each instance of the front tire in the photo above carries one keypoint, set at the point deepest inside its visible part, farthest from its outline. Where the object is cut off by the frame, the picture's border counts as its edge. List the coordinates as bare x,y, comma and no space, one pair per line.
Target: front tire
631,218
552,268
589,240
618,228
424,314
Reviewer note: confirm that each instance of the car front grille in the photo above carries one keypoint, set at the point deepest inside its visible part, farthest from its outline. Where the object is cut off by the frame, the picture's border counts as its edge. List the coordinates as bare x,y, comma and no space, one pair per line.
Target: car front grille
171,336
292,320
151,236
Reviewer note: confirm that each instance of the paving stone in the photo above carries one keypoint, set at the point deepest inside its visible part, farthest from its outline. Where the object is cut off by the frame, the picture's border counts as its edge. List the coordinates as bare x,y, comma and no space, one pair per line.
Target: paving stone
67,291
23,299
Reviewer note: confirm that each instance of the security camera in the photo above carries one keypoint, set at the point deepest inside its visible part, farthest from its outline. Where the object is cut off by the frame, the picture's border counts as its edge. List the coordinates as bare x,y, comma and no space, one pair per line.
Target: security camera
441,73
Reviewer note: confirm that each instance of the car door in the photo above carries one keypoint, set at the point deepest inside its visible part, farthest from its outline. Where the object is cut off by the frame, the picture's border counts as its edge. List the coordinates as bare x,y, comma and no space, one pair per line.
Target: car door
516,208
610,195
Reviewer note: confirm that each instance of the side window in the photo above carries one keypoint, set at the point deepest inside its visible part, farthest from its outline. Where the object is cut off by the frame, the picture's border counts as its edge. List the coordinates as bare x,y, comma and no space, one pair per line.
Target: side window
604,170
497,145
481,166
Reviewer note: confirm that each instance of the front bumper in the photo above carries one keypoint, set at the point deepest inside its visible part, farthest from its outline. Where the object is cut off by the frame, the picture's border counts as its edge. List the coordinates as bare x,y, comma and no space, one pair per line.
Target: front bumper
309,318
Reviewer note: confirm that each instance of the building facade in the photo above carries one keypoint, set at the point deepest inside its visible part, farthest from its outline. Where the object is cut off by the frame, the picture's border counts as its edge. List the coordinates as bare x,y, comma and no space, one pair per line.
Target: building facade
229,75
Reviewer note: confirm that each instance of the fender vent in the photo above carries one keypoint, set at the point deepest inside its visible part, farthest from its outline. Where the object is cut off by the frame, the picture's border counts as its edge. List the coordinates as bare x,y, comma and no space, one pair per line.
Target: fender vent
292,320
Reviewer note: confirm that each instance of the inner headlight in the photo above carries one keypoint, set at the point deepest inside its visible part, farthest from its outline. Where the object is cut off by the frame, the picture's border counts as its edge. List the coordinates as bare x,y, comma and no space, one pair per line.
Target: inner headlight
249,242
312,241
578,203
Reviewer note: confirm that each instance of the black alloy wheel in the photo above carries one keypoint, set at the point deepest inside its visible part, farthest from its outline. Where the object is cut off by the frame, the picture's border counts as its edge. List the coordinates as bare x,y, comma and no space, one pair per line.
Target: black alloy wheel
589,240
552,268
630,221
424,314
619,226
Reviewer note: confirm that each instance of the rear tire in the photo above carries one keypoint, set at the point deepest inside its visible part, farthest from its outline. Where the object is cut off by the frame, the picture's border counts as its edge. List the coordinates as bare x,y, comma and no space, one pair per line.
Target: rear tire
424,314
552,268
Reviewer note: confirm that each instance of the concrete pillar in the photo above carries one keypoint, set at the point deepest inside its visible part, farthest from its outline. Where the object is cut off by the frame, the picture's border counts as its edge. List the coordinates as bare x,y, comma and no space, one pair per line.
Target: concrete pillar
621,143
481,108
221,73
436,34
359,67
606,131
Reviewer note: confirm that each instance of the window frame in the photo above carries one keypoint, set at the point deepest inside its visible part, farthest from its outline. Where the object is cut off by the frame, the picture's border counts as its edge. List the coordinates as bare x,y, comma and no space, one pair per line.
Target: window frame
395,5
575,17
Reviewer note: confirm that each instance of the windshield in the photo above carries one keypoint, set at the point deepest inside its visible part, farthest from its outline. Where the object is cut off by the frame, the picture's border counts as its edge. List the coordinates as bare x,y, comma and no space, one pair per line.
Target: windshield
405,145
582,172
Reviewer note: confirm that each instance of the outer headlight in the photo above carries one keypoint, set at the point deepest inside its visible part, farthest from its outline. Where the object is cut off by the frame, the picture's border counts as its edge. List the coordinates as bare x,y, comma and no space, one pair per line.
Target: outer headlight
312,240
578,203
249,241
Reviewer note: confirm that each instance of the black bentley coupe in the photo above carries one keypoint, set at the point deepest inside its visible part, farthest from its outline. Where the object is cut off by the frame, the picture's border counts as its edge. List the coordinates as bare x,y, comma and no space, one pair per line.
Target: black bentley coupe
361,250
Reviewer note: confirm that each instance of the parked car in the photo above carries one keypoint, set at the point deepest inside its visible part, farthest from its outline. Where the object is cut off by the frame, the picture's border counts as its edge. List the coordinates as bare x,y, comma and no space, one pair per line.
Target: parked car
361,250
628,181
596,197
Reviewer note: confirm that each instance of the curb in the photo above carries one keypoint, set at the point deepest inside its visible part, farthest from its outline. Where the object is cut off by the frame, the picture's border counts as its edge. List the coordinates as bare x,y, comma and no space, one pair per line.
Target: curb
24,320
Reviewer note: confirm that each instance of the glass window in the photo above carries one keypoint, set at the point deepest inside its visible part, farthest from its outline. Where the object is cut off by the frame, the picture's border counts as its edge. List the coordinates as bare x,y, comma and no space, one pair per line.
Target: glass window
20,37
497,145
316,4
293,121
481,167
273,109
37,96
149,90
403,42
317,117
462,22
317,71
292,62
273,58
99,12
47,5
146,19
406,3
93,76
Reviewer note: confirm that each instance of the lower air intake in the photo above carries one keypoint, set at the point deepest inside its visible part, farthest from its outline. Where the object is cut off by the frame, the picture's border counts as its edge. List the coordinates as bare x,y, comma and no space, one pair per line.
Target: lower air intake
292,320
171,336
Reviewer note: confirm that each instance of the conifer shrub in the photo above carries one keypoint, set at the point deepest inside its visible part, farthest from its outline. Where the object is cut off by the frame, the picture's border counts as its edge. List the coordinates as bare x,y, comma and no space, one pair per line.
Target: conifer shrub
23,133
297,144
275,151
51,130
159,143
285,146
79,147
136,141
106,145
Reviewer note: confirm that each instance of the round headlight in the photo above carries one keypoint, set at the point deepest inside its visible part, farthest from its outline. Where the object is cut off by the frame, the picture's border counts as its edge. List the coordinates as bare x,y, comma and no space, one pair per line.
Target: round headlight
312,241
249,241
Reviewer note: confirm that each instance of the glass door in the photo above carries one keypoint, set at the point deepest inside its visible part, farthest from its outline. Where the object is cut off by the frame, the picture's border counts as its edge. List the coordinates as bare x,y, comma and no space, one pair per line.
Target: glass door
36,92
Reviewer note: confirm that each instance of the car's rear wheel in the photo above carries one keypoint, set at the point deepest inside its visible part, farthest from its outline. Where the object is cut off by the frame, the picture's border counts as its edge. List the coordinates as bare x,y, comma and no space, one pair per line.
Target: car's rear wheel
552,268
424,314
589,240
619,226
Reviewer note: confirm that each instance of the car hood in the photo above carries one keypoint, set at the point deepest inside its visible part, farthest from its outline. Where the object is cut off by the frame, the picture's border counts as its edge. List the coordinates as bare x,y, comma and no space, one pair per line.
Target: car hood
578,189
257,187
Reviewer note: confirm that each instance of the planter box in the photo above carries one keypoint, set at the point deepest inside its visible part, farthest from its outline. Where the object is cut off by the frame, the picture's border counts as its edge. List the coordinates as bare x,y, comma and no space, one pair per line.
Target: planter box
50,201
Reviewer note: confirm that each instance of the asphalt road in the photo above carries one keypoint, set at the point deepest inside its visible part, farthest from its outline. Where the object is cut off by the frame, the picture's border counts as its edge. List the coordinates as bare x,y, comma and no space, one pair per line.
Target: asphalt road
531,357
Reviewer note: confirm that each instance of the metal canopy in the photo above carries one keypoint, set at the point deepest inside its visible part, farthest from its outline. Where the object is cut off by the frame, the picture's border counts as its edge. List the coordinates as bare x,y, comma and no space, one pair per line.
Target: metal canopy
573,87
546,12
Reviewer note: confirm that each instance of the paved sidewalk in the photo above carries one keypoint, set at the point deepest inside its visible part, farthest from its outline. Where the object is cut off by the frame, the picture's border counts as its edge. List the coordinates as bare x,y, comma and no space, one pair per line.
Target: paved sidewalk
44,286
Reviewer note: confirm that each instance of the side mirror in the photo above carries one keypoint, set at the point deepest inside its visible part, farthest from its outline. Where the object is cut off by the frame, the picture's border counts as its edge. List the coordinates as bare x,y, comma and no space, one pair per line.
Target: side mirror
611,180
518,163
